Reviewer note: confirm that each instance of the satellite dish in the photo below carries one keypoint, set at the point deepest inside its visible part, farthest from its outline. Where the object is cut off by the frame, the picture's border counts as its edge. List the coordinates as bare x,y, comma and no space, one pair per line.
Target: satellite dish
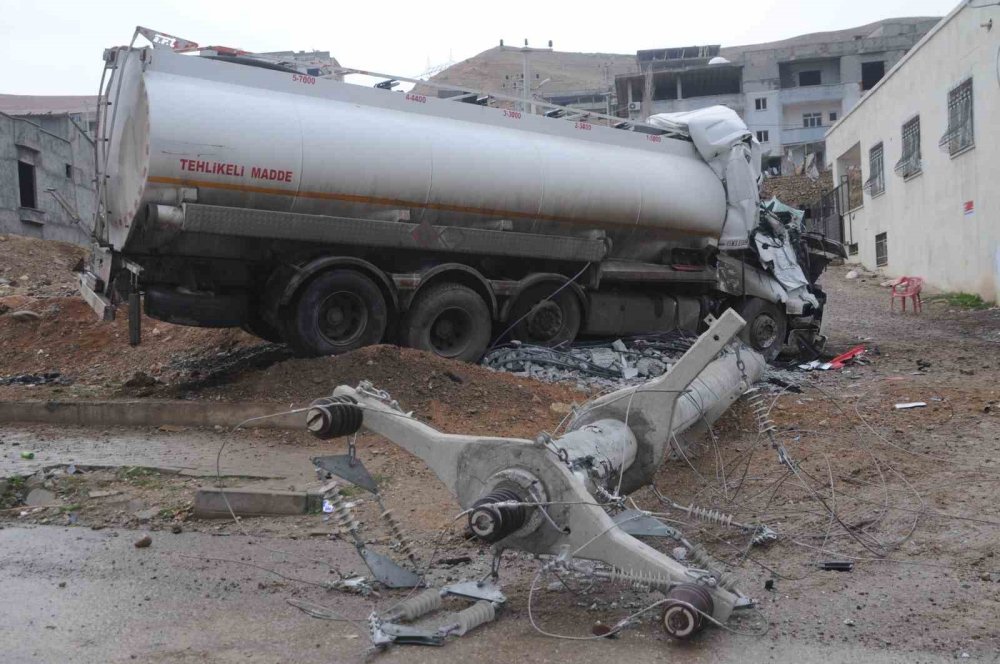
719,60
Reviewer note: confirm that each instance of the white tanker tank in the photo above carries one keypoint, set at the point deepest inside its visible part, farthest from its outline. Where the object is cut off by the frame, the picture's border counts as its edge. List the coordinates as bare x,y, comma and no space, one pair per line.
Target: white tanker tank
263,139
207,163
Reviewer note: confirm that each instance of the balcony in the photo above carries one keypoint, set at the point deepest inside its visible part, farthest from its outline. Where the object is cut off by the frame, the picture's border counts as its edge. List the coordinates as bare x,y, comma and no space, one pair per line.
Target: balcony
813,93
733,101
790,136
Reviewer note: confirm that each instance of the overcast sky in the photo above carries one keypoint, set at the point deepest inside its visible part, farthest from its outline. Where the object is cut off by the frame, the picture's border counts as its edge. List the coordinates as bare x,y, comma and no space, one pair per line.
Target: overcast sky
55,46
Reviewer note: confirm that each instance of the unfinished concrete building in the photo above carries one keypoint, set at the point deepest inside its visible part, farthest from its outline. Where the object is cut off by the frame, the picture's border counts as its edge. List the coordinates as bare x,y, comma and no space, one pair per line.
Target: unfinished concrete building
788,92
46,176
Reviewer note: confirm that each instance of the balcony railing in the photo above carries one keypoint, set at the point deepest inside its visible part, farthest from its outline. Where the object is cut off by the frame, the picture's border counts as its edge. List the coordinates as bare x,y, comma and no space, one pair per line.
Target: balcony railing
812,93
792,135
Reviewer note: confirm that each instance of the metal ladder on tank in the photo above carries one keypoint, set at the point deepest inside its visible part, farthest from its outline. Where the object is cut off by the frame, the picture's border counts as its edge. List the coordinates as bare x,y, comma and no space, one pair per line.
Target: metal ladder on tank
115,60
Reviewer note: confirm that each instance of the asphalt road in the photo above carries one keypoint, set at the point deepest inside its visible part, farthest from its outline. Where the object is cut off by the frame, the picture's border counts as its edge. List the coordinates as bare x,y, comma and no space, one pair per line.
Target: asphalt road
72,594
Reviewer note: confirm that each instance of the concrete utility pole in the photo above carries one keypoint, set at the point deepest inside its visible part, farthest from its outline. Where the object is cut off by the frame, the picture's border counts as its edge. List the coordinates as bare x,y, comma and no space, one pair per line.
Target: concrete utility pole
527,106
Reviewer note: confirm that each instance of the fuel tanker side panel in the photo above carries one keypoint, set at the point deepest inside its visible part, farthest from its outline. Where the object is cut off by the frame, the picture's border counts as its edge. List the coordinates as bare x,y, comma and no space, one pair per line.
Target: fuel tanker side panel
248,137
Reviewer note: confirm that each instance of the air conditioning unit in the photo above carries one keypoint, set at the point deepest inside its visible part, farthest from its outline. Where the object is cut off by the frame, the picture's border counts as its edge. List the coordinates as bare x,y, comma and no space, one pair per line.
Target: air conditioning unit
635,106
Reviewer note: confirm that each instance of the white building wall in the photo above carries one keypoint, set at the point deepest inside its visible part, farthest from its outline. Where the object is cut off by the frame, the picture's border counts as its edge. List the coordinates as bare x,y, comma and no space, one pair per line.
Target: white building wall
929,234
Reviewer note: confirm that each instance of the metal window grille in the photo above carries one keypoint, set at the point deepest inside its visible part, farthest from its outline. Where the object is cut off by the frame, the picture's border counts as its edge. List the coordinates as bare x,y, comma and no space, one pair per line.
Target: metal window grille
881,250
960,134
876,170
909,164
812,119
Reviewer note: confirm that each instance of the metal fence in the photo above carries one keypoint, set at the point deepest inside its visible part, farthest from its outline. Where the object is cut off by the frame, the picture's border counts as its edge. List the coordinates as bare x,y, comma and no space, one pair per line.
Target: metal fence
826,215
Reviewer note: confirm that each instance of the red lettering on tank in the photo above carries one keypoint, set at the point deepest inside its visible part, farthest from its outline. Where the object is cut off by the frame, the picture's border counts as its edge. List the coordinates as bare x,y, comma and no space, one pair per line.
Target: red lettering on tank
235,170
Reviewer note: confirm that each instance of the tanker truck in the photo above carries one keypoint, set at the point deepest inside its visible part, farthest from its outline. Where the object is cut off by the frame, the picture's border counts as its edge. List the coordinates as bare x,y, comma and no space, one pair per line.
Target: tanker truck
237,190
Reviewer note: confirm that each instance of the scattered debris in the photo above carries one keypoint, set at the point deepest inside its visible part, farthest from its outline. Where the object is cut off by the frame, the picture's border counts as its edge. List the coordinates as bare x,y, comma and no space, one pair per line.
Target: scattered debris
606,365
47,378
837,565
854,355
27,455
911,404
25,316
143,542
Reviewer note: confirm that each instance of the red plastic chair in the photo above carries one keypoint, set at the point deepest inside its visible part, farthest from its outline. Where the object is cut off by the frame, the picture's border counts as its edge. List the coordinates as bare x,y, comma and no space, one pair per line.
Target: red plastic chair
907,287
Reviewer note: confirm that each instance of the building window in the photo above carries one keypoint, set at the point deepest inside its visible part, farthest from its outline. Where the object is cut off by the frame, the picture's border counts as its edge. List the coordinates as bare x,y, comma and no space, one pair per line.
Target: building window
763,136
26,184
812,119
811,77
69,171
876,171
871,73
960,122
833,117
909,163
760,103
852,249
881,250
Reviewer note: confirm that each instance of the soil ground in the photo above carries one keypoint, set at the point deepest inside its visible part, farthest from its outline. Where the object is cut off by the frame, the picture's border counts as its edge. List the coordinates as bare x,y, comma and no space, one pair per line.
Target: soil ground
907,495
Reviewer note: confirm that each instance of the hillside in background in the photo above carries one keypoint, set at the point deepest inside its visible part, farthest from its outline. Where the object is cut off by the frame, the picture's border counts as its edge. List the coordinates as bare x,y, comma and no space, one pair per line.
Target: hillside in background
567,72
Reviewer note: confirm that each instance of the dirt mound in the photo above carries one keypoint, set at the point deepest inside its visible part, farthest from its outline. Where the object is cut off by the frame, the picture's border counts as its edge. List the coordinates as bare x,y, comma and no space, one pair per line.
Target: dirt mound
94,355
38,267
452,396
798,191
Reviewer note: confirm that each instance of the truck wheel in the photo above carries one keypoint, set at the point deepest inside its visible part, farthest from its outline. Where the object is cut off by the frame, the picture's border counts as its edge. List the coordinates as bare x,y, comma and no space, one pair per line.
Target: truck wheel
766,327
336,312
449,320
545,319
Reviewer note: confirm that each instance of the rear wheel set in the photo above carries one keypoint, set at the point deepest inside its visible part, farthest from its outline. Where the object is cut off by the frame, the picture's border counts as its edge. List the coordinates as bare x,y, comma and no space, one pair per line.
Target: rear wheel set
449,320
336,312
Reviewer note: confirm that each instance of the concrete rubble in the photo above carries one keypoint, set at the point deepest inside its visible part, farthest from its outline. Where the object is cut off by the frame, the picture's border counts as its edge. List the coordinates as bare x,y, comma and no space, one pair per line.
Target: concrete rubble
593,365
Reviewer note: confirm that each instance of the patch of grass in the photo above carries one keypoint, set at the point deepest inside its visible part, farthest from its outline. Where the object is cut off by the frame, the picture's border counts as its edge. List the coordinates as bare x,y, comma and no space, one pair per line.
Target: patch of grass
139,476
75,507
960,300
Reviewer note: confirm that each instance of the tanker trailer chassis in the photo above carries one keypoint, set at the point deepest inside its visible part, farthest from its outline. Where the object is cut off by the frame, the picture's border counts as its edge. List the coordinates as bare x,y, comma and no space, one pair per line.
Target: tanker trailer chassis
587,292
561,498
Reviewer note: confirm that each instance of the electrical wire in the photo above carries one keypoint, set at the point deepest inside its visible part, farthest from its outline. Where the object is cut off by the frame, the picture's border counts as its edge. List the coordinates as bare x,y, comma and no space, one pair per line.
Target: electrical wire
528,313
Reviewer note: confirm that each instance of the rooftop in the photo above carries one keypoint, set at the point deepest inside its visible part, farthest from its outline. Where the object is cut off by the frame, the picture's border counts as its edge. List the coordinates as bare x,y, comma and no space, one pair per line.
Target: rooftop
47,104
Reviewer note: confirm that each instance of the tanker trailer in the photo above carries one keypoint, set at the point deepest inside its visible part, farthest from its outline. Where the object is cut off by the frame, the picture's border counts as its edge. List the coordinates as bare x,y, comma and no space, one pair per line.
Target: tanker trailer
244,190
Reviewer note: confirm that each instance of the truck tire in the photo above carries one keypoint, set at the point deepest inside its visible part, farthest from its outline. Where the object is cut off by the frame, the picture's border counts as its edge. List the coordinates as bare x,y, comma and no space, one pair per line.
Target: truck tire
449,320
336,312
541,318
766,328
